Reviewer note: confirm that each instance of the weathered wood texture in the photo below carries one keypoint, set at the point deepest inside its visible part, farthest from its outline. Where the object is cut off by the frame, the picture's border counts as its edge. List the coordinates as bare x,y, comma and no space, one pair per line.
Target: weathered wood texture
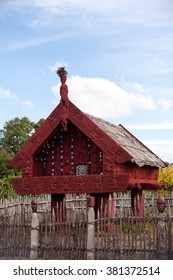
122,237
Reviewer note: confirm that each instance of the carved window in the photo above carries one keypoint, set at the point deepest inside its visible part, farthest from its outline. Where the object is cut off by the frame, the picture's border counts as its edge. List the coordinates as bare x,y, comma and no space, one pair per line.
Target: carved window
81,169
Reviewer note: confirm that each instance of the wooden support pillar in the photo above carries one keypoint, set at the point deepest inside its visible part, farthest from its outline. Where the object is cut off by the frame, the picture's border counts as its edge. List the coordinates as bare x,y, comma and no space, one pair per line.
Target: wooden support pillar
137,201
58,208
101,208
105,205
91,228
104,208
112,210
97,205
141,204
58,211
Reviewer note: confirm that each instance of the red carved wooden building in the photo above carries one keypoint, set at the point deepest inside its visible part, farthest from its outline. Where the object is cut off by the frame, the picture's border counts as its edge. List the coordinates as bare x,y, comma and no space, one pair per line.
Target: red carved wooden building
73,152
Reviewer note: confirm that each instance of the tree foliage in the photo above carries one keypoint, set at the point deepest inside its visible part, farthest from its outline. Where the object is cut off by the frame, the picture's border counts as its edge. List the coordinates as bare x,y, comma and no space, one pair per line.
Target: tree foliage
15,133
5,157
6,188
13,136
166,176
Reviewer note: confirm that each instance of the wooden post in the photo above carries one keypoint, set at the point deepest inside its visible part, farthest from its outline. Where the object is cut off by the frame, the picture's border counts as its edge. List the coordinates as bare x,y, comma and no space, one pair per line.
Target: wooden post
112,212
137,201
34,231
91,229
162,229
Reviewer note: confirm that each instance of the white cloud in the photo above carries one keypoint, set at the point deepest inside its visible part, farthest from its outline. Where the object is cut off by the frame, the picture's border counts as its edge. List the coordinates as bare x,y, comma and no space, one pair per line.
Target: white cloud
130,11
160,65
7,94
137,87
165,104
162,148
28,104
151,126
129,86
89,5
104,98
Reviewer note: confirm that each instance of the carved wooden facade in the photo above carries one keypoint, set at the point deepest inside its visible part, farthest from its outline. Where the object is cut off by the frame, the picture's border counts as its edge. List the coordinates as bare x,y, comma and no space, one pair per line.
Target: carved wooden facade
84,158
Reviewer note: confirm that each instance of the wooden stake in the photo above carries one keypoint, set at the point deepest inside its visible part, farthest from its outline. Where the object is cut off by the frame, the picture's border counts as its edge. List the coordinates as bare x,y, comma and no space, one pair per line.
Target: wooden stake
34,231
91,229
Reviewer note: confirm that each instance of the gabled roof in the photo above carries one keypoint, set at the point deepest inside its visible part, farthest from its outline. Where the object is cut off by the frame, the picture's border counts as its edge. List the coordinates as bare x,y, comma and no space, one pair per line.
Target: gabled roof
83,122
117,142
141,155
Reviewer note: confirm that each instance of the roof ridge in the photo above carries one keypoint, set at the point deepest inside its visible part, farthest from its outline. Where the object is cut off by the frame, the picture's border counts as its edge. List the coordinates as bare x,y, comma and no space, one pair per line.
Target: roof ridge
101,119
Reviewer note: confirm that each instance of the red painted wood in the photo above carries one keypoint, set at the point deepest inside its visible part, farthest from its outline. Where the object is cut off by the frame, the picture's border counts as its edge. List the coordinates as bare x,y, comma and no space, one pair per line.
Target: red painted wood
57,208
83,122
146,185
53,153
97,135
137,202
71,184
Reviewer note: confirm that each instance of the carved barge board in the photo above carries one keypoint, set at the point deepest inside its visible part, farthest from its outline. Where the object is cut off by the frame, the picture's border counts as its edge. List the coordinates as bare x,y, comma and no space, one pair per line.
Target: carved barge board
46,129
71,184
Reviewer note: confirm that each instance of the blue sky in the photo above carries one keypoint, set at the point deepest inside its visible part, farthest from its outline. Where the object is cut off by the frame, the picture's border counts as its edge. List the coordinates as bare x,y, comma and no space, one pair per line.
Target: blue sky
119,56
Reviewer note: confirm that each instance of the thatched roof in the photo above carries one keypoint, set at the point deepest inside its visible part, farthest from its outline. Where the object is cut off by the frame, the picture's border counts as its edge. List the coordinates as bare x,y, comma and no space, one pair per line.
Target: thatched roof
141,155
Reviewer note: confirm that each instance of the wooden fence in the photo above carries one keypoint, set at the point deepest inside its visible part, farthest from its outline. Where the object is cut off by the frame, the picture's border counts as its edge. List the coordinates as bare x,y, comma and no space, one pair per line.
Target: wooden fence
121,237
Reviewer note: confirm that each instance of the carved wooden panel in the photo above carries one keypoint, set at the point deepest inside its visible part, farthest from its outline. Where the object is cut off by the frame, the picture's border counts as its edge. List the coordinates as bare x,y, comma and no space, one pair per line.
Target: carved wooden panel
71,184
38,168
96,159
108,164
65,150
66,153
27,170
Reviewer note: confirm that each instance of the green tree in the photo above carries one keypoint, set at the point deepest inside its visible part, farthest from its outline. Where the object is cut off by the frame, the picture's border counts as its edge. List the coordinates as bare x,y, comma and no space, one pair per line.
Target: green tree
16,132
37,124
5,157
6,188
12,137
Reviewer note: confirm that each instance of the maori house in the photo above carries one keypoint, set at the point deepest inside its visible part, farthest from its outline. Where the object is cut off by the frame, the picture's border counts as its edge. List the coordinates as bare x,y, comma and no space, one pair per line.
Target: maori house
73,152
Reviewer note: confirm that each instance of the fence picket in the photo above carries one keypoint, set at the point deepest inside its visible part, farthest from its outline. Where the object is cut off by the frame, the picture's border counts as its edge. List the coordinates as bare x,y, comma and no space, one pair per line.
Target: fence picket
122,236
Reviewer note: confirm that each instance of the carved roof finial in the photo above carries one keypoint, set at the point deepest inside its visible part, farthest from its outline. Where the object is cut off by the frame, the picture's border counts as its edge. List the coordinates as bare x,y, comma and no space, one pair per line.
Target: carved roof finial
61,71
